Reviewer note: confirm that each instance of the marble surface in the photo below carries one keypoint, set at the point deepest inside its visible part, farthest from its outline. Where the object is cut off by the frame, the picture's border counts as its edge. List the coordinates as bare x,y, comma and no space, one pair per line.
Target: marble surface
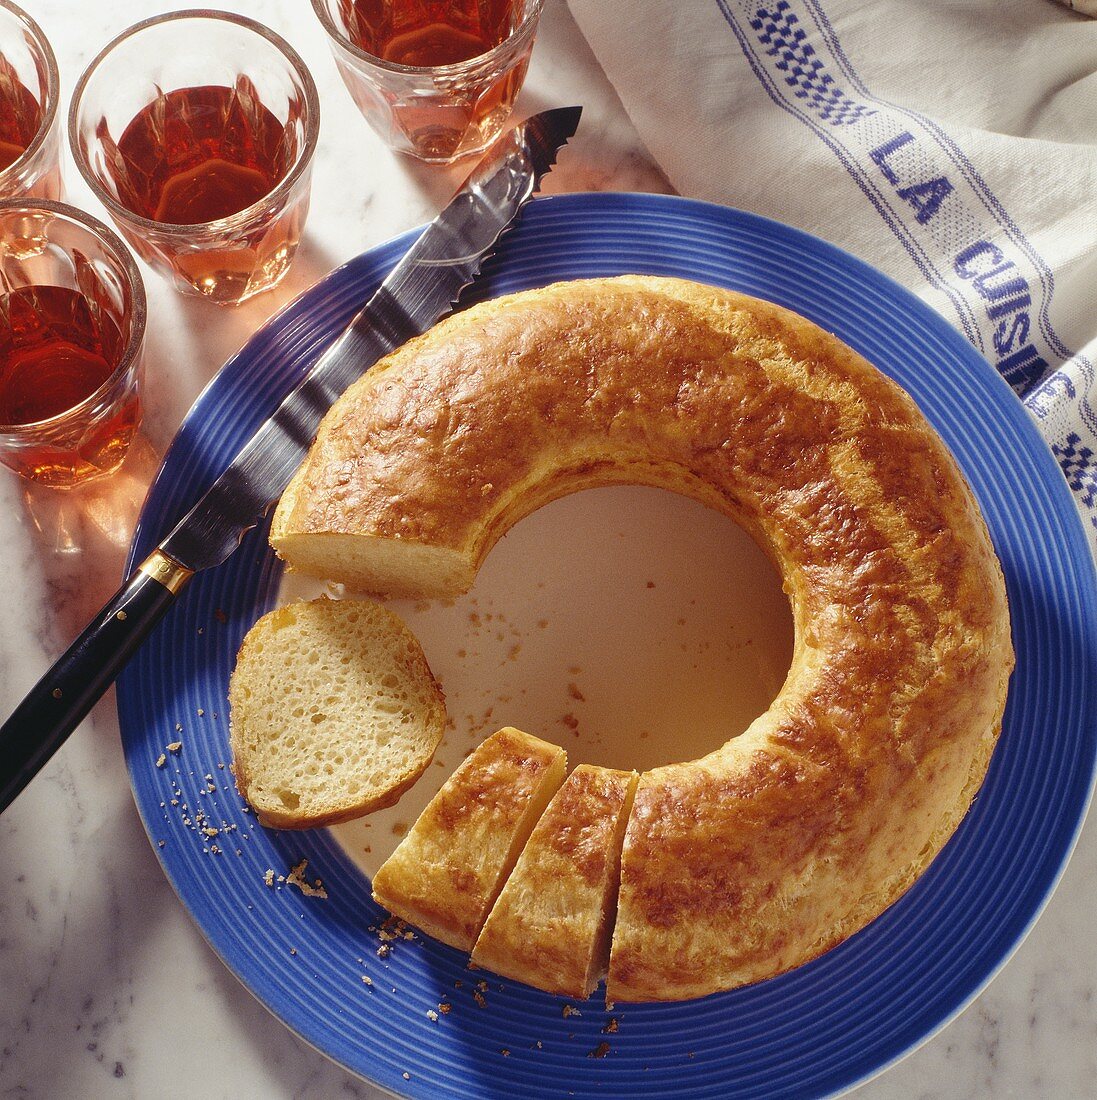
107,988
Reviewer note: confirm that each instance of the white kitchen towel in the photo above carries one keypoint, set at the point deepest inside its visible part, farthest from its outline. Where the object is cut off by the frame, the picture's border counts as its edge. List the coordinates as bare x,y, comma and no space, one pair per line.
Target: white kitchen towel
950,143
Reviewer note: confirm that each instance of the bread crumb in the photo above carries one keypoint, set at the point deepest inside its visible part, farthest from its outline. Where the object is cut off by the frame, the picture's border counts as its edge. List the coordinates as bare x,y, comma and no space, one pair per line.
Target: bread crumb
445,1007
383,951
399,828
367,979
478,997
611,1027
201,712
293,950
432,1015
575,693
406,1076
600,1051
571,1010
161,760
504,1052
296,877
175,747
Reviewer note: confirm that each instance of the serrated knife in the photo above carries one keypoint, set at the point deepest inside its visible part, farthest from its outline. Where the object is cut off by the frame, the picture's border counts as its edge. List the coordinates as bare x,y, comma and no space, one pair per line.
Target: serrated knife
419,290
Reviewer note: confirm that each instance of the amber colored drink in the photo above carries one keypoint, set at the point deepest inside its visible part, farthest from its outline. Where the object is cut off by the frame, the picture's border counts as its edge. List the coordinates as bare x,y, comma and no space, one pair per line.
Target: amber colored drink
199,154
20,115
435,78
194,157
427,33
57,349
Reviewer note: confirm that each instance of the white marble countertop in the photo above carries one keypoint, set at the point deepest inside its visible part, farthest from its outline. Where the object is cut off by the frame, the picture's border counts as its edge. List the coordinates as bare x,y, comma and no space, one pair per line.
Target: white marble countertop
107,989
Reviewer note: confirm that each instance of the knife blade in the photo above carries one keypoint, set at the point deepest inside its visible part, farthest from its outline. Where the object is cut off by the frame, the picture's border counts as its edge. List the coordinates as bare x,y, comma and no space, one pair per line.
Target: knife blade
420,289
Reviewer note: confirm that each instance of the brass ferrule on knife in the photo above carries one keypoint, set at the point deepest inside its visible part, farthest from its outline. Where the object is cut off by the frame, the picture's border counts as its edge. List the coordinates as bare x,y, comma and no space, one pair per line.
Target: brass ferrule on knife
170,573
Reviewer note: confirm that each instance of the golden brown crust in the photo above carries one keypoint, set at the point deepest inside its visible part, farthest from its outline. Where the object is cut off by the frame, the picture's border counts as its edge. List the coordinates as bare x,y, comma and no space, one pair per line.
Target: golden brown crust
447,872
789,838
551,924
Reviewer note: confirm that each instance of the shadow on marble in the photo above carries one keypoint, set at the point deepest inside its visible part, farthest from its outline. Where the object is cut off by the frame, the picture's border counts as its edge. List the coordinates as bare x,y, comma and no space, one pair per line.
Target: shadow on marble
80,983
81,535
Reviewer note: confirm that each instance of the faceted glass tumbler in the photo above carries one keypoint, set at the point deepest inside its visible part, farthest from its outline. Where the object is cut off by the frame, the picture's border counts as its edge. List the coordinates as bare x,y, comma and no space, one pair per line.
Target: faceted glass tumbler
435,114
48,245
230,258
30,86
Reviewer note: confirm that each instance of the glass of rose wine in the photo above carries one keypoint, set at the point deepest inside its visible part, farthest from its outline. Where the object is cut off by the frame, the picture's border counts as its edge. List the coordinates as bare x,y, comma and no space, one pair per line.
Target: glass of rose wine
72,324
196,130
29,89
436,79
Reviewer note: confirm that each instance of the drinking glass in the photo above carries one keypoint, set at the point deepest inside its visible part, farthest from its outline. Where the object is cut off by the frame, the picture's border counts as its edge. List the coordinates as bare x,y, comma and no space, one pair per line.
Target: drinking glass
29,128
72,325
434,112
197,130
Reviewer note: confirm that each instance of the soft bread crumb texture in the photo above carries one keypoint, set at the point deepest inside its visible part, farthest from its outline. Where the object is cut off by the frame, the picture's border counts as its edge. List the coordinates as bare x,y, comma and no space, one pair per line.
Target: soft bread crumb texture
334,712
447,872
551,924
763,854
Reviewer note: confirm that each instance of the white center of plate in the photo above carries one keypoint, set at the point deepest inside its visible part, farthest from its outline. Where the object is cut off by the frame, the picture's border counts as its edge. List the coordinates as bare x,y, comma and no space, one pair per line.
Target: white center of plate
631,625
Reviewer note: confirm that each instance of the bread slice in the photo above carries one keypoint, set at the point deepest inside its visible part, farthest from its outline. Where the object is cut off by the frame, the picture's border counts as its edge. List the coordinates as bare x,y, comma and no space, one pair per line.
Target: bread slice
333,712
551,926
447,872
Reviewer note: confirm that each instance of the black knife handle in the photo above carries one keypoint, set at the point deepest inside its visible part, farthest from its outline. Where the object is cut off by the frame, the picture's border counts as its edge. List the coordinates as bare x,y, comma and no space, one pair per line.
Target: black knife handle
59,701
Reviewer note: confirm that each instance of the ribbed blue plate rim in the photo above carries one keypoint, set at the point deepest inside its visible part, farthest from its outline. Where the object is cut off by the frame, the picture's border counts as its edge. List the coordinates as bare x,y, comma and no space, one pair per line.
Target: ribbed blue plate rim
816,1031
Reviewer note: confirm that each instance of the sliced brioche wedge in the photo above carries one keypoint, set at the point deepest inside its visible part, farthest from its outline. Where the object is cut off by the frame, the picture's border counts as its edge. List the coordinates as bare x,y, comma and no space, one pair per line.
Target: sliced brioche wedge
333,712
447,872
551,925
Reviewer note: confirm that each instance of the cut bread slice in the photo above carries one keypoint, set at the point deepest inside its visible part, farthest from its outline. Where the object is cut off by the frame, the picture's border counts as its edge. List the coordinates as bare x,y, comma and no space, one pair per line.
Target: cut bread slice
447,872
551,926
334,712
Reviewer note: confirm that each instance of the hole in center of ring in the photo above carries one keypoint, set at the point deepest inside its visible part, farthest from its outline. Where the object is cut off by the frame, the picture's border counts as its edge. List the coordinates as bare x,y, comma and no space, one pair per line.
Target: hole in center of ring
631,625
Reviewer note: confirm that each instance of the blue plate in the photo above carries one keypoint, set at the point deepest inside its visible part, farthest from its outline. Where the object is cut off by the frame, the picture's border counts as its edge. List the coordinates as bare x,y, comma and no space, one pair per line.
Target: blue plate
815,1031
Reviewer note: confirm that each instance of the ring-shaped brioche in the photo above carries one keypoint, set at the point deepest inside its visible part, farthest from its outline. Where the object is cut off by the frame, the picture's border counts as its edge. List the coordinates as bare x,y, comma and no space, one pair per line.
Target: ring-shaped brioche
802,829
